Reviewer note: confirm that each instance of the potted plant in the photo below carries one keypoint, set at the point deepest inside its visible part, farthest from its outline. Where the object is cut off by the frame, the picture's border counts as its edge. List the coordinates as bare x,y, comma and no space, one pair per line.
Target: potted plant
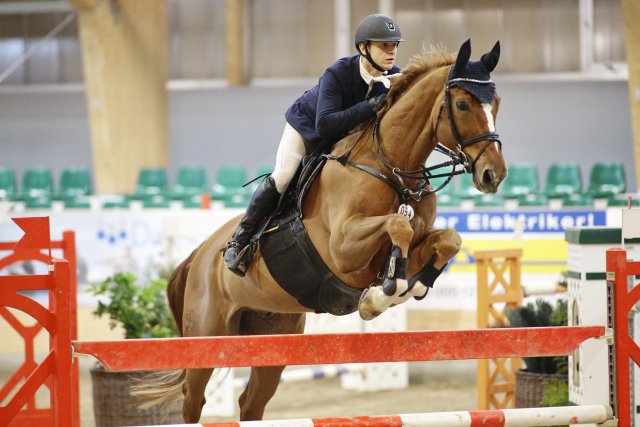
142,312
543,376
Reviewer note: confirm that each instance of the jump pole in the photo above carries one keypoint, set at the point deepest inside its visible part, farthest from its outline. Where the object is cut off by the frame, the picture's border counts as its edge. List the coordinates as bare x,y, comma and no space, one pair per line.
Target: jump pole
278,350
530,417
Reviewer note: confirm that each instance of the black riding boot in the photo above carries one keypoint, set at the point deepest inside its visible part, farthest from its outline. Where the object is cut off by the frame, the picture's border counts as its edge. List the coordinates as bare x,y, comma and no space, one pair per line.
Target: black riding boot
262,203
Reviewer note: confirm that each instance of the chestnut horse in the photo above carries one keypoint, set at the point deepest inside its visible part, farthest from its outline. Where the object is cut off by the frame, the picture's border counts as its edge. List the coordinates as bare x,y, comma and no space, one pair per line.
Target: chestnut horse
351,215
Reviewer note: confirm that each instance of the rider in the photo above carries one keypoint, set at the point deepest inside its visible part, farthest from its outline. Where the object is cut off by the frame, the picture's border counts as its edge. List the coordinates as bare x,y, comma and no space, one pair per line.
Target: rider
349,92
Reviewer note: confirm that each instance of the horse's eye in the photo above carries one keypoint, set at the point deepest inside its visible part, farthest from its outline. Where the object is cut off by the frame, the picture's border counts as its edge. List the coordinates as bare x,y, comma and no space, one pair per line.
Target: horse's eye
462,106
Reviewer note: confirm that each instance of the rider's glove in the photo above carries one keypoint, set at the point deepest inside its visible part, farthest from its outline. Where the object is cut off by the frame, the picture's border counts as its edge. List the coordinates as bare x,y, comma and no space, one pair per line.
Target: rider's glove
377,102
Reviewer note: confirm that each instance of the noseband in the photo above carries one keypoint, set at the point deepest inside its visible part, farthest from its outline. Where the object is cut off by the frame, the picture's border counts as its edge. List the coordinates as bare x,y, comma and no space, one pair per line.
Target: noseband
462,144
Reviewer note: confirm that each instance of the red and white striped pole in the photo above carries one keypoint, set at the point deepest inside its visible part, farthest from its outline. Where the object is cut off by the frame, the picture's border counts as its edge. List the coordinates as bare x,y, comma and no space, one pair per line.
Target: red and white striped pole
529,417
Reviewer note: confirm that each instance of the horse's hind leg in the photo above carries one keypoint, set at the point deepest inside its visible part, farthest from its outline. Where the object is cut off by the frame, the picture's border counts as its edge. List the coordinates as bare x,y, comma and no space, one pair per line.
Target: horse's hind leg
199,321
195,383
263,381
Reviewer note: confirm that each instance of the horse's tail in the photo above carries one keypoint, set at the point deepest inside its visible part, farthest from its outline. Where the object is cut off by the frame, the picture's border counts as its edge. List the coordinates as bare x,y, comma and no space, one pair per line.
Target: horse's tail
165,387
160,388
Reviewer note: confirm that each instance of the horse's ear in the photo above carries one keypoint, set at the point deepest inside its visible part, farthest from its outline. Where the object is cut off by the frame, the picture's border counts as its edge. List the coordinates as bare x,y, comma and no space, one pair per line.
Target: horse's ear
490,60
462,59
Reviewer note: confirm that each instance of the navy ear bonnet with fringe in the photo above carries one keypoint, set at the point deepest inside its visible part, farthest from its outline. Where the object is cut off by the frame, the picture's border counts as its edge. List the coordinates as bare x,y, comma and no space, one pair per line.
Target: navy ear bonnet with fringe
474,76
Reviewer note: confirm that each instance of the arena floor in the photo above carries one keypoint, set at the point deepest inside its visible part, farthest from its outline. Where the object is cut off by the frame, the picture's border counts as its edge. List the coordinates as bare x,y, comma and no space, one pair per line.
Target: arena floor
321,398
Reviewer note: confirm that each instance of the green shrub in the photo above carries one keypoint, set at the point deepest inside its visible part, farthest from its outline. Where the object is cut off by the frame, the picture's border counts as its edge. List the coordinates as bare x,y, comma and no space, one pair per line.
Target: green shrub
555,392
142,311
538,315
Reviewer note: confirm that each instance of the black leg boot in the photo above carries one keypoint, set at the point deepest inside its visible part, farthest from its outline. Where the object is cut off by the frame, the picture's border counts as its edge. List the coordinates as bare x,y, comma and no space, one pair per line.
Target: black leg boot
262,203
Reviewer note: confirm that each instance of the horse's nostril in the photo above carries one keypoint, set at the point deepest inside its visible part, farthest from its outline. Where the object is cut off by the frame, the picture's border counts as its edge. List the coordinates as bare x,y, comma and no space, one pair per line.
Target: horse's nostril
488,176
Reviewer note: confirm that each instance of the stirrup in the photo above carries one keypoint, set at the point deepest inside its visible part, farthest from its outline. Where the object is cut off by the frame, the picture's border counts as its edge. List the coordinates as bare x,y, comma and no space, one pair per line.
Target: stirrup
241,261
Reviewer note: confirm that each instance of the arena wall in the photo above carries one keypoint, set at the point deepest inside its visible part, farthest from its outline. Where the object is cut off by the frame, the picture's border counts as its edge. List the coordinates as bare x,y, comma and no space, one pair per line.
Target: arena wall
542,120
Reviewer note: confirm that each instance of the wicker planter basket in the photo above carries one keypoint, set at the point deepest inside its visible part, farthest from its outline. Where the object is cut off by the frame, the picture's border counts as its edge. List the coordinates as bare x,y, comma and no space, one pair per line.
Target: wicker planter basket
529,387
114,406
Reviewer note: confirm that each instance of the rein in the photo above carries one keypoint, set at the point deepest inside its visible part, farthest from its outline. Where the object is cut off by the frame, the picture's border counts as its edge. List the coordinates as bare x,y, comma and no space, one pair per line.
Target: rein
418,191
404,191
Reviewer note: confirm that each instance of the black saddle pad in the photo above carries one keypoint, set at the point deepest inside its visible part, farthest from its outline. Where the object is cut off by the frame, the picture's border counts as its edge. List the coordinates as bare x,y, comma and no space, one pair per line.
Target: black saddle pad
295,264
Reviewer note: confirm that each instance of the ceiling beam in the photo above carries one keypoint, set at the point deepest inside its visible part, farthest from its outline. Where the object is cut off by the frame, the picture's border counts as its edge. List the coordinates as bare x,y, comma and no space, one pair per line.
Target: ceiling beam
34,7
84,5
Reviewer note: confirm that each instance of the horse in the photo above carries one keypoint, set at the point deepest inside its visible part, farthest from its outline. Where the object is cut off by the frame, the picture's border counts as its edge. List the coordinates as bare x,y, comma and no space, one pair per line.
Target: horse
367,213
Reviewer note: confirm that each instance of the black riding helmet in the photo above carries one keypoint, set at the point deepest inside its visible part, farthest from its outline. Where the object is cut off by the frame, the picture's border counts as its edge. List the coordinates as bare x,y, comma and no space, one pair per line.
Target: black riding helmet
376,28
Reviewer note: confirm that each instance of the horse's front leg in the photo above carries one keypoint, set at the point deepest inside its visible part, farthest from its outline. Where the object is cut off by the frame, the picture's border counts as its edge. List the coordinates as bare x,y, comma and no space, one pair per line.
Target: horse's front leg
355,243
428,259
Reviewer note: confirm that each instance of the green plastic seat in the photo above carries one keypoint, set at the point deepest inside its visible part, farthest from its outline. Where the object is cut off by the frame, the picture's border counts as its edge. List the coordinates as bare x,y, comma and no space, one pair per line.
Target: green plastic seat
521,179
228,185
263,170
488,201
190,182
78,202
563,179
446,196
74,182
578,200
533,200
158,201
606,179
116,204
622,200
37,183
465,188
192,203
237,201
447,189
39,202
151,182
7,184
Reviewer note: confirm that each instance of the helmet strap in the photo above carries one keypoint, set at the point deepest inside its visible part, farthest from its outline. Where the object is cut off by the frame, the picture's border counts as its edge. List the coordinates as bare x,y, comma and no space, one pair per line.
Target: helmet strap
367,55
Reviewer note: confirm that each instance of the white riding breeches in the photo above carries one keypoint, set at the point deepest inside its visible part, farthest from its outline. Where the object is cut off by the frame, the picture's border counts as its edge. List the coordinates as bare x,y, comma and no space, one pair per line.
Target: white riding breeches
290,153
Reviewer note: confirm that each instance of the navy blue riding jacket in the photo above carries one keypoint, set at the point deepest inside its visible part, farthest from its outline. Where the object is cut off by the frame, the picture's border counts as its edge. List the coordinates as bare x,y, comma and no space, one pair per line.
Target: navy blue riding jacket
334,106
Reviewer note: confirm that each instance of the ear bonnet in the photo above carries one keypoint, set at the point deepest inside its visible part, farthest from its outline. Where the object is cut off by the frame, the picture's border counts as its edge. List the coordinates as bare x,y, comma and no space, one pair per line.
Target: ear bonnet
474,76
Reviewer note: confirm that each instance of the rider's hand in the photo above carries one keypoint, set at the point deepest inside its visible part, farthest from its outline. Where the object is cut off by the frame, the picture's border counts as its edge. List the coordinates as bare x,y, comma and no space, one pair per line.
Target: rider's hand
377,102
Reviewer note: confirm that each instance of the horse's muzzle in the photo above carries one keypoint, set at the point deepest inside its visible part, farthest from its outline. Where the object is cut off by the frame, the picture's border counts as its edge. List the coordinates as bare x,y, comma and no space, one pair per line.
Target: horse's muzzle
488,180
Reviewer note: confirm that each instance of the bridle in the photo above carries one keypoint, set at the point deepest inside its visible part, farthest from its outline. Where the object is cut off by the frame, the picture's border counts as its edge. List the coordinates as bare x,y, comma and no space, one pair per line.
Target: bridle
490,137
418,191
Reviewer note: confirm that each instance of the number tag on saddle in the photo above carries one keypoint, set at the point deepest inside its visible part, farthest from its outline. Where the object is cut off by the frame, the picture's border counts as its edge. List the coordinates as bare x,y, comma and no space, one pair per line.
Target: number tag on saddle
406,210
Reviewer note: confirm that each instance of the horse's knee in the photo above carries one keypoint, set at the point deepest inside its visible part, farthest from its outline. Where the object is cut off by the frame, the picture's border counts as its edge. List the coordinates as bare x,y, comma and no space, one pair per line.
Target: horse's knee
400,231
449,244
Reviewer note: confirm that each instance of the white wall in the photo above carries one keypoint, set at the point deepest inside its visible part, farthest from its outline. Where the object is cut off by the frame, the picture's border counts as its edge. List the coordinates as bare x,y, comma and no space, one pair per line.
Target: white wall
542,122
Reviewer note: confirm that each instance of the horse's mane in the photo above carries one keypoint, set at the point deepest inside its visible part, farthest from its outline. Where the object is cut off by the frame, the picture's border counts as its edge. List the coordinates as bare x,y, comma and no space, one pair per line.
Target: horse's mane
419,65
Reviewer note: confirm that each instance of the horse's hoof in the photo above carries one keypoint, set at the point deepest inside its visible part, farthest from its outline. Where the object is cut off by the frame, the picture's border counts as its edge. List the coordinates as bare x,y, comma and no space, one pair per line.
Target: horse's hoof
366,307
